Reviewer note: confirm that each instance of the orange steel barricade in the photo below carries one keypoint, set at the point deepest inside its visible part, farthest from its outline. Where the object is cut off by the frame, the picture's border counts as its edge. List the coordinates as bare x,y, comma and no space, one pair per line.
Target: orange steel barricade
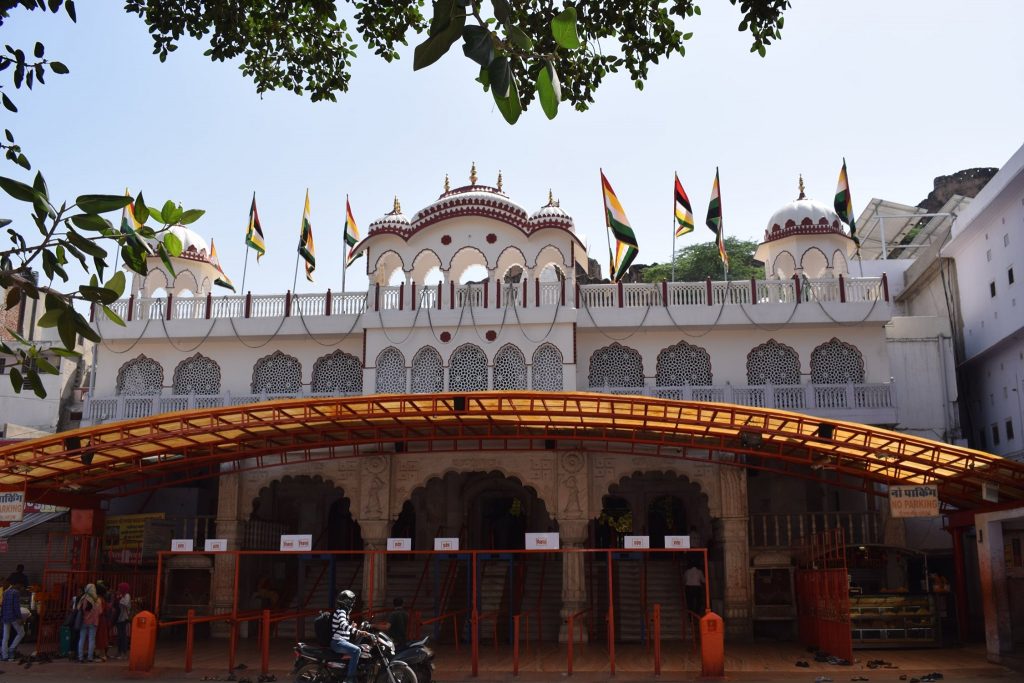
465,583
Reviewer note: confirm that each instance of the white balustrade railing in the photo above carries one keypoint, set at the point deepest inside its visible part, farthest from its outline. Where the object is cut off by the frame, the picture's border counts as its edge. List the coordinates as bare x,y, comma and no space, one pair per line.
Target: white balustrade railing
530,295
788,529
796,397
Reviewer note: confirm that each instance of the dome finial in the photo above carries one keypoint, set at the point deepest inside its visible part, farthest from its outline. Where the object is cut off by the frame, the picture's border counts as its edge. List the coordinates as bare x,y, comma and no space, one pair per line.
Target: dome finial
447,184
472,174
397,208
801,186
551,199
499,180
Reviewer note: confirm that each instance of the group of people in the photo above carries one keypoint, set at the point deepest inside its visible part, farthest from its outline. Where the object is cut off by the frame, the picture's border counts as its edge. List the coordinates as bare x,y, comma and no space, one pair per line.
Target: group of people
10,613
93,613
344,631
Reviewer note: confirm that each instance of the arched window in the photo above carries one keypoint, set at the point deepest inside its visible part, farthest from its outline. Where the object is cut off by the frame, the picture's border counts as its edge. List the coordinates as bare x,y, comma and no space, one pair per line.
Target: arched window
467,369
337,373
773,363
546,370
141,376
277,373
197,375
616,366
427,371
509,369
836,362
391,372
684,364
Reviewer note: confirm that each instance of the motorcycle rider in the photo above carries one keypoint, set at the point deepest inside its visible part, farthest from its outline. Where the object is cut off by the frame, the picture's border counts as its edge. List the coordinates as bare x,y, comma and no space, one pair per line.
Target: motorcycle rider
343,631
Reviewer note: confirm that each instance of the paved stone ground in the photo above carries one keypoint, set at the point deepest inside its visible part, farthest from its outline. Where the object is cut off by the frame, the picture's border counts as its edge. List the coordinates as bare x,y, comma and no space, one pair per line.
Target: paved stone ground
770,663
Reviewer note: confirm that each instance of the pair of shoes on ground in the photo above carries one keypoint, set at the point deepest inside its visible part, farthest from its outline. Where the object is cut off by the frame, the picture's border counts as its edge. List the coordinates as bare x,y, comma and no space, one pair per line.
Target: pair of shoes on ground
858,678
803,664
822,679
932,677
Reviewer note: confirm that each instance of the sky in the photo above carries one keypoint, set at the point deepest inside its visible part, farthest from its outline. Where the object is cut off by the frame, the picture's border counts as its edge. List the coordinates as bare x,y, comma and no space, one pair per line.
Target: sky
905,91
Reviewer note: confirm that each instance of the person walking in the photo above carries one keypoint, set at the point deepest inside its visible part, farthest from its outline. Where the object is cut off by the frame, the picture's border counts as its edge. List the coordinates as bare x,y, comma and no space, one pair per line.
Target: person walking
123,603
10,609
106,622
91,606
694,580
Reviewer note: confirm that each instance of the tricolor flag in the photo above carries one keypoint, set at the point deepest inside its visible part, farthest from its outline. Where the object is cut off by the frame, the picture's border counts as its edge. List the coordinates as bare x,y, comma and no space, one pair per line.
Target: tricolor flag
683,211
714,220
222,278
844,204
254,233
351,235
130,226
306,250
626,247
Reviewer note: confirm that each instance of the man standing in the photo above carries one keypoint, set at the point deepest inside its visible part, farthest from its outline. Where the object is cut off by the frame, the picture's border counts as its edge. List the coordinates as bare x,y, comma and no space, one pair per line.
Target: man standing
17,577
10,614
398,624
694,580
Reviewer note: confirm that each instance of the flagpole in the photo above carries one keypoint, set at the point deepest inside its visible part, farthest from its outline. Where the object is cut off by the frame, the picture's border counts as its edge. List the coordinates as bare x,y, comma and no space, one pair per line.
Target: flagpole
295,279
344,247
245,268
607,231
674,231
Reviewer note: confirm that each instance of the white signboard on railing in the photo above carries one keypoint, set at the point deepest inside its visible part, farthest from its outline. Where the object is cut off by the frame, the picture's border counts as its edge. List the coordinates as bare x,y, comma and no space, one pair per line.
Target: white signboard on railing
12,506
446,544
677,542
181,545
216,545
636,542
914,501
399,544
297,542
545,541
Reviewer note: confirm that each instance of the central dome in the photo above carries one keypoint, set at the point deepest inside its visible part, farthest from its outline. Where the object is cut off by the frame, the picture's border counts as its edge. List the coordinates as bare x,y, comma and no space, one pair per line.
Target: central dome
801,217
193,246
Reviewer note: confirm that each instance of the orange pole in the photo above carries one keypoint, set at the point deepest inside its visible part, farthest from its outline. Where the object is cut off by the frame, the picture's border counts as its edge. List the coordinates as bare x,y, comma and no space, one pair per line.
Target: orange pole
474,636
707,586
572,636
159,582
455,630
190,632
265,635
515,645
657,639
369,598
611,617
233,641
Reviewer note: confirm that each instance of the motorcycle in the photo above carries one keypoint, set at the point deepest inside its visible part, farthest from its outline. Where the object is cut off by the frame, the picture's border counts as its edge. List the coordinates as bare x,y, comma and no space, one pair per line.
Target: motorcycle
377,663
420,658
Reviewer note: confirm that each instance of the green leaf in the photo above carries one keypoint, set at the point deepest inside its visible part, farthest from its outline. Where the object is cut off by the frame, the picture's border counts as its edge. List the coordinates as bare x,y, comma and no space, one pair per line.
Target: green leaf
154,213
190,216
64,353
16,380
39,50
102,203
116,283
435,47
86,245
113,316
477,44
549,90
84,328
8,103
39,185
519,38
58,68
173,244
66,329
135,258
18,190
510,107
171,212
36,383
502,10
141,210
50,318
484,79
563,29
687,36
443,10
92,222
161,251
499,73
98,294
45,365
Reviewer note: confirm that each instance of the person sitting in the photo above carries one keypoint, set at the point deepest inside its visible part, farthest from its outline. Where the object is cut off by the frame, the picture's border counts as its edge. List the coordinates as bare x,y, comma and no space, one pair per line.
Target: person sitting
343,631
398,624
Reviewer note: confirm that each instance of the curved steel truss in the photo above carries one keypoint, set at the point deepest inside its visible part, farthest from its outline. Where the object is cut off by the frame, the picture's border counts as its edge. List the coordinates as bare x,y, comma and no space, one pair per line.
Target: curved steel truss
172,448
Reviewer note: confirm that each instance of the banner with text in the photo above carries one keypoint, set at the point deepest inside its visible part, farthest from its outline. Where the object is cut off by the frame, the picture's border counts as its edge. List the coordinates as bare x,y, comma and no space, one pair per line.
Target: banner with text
12,506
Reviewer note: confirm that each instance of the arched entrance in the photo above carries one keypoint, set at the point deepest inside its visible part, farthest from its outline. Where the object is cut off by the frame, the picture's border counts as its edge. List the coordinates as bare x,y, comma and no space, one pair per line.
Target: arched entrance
485,510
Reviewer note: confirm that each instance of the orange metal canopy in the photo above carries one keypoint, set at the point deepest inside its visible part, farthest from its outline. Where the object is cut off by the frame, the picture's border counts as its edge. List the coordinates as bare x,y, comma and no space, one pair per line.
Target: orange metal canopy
169,449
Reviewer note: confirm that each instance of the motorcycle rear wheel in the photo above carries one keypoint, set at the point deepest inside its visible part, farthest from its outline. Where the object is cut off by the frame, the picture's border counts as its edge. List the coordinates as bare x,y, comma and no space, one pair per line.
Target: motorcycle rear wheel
401,671
312,673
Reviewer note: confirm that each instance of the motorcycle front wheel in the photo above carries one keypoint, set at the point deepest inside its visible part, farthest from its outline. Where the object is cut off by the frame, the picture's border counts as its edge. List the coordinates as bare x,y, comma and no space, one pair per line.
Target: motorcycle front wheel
312,673
397,672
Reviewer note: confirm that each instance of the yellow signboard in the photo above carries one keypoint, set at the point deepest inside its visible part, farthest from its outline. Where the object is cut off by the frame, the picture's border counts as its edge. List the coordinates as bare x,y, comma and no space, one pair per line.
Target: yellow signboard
127,532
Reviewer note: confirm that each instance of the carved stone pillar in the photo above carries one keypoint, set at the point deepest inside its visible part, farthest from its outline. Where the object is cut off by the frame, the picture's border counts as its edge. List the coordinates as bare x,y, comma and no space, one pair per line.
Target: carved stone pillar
573,520
736,551
375,524
230,526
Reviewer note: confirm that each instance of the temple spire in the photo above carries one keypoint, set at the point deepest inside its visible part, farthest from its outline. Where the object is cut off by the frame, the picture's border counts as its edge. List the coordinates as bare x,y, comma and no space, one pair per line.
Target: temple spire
447,184
499,180
397,208
472,174
801,186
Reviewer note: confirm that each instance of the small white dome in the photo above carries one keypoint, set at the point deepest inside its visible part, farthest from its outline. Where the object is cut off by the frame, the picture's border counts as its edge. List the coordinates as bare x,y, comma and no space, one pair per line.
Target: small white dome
803,216
193,246
395,220
551,215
